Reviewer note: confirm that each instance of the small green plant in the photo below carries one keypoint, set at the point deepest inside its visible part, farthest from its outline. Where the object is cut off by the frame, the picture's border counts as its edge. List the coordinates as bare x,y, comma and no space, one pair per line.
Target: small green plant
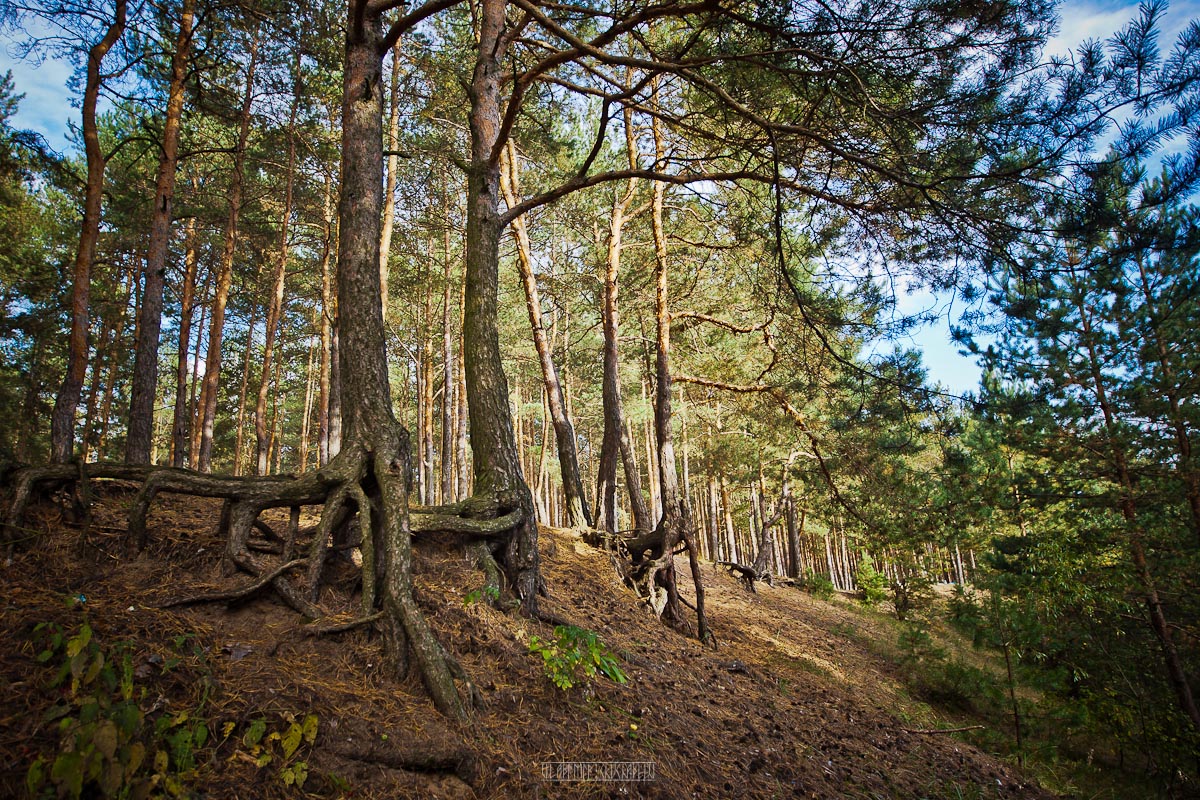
872,584
488,592
281,746
573,655
910,593
104,737
818,585
916,645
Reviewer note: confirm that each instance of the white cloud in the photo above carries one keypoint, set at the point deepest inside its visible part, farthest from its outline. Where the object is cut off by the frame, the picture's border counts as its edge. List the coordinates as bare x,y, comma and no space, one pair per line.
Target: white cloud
1091,19
46,108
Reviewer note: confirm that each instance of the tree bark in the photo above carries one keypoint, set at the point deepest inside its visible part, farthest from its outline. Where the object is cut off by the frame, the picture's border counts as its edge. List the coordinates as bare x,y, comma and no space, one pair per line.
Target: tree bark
493,446
578,513
327,409
389,194
145,364
275,306
676,525
1176,672
181,423
212,361
62,421
616,441
243,389
370,427
449,373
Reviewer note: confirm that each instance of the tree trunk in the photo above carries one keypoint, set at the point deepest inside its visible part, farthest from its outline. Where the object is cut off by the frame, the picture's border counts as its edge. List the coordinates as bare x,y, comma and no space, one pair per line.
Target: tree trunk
675,525
1176,672
145,364
370,427
193,400
616,441
212,362
309,393
326,405
181,426
275,305
578,513
240,420
449,374
62,421
1184,465
493,446
389,194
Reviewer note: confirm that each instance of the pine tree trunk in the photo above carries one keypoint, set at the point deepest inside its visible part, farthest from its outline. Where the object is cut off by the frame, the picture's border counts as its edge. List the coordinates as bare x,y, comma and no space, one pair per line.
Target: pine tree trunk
578,514
309,395
493,446
449,374
389,194
181,426
102,378
243,390
62,420
1184,465
1176,672
195,412
326,405
275,306
145,365
212,361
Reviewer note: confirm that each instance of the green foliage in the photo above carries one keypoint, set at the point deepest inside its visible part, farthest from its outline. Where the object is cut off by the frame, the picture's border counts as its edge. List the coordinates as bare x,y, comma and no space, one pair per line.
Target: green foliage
488,593
909,593
104,738
109,746
872,584
818,585
575,655
281,746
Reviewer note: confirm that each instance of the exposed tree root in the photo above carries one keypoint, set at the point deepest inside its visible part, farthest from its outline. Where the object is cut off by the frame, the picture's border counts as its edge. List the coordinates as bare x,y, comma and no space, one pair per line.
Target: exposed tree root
316,629
430,755
233,594
365,487
747,575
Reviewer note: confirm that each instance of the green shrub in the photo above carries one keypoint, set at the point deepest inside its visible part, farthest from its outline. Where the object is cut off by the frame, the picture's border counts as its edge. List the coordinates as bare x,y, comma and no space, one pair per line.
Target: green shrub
872,584
573,655
818,585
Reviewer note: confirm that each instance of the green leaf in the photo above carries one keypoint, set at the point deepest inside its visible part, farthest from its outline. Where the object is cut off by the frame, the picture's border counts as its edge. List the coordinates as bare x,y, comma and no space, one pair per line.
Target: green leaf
310,728
94,668
134,759
67,774
105,739
79,641
291,740
200,734
255,732
300,772
36,776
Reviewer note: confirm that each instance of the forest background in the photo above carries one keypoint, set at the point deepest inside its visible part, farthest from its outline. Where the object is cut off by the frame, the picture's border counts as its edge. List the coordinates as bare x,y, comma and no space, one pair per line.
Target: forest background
771,240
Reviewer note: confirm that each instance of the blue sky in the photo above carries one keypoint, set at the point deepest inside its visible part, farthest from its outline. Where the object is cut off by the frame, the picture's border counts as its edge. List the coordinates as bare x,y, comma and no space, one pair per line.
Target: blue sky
47,108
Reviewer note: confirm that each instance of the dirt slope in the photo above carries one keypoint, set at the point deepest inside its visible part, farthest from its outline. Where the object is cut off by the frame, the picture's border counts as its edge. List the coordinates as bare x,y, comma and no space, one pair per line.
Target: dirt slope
791,703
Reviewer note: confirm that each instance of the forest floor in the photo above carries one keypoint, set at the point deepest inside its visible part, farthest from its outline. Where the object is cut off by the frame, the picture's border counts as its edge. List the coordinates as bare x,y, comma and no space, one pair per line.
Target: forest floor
795,701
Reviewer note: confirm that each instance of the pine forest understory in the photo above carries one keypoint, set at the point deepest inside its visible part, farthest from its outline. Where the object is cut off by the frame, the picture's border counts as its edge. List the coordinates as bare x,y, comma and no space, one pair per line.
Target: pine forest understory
517,383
